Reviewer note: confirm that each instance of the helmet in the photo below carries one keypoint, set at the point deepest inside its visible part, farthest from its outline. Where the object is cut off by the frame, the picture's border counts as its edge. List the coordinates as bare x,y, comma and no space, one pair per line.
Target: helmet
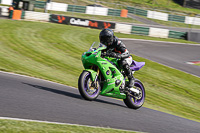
106,36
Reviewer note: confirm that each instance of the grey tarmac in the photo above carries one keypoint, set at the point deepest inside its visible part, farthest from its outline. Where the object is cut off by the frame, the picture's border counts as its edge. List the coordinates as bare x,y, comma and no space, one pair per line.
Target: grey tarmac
30,98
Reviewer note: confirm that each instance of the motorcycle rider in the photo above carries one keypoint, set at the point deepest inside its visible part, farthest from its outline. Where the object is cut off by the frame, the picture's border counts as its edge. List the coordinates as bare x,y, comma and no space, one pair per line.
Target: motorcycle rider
117,49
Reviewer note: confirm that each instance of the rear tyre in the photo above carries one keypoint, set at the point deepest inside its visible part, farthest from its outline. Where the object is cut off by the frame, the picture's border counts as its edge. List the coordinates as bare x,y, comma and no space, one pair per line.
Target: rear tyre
87,91
135,102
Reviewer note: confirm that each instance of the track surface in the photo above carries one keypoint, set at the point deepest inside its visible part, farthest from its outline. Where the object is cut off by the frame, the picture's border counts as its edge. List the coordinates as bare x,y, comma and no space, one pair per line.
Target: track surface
29,98
151,23
170,54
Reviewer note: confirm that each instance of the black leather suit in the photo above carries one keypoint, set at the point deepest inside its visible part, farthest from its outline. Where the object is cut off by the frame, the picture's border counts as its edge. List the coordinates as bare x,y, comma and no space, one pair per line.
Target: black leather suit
118,50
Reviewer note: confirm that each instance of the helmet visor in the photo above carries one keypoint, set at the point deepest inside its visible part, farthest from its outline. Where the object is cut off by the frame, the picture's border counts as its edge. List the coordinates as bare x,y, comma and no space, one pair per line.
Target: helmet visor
106,40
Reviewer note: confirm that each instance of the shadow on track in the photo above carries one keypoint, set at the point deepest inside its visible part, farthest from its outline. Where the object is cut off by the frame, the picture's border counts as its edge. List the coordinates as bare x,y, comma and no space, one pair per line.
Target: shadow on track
69,94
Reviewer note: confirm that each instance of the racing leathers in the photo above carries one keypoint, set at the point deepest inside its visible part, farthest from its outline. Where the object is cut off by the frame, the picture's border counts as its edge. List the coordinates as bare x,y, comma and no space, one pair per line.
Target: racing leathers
118,50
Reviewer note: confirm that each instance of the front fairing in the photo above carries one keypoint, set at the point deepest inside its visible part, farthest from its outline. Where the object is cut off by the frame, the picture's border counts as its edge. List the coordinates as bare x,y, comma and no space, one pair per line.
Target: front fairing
110,73
91,57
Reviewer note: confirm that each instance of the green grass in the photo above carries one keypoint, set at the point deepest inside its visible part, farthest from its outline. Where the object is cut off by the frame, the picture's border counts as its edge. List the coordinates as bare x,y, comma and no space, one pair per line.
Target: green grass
174,24
168,5
128,20
53,52
13,126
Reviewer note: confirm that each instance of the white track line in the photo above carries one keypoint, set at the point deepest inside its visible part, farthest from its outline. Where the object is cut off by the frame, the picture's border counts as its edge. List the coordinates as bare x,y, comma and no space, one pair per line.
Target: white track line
30,120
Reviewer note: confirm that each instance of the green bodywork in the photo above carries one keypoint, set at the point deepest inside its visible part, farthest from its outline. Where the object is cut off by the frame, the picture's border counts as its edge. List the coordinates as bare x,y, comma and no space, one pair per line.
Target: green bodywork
108,70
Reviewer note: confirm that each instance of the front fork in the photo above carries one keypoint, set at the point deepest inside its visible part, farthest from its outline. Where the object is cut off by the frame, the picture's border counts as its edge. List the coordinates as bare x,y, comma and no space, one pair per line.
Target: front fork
94,81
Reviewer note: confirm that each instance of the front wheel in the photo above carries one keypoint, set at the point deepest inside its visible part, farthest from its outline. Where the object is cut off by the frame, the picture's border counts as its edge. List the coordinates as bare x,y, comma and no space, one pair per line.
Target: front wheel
135,102
88,89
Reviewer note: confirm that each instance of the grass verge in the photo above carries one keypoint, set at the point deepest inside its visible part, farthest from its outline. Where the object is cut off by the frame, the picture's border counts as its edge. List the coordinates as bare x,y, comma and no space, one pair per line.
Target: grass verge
167,5
53,51
13,126
176,24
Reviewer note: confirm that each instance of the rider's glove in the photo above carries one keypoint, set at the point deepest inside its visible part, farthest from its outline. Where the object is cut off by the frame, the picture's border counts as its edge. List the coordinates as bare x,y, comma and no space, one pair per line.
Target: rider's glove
103,54
115,55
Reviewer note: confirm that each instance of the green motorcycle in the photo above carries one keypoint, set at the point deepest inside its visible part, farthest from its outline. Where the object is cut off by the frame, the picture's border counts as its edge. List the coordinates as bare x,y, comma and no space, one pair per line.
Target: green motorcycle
103,76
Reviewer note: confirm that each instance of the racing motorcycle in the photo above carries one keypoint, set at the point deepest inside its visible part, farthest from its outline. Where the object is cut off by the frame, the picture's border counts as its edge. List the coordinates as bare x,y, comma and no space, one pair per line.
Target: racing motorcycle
103,76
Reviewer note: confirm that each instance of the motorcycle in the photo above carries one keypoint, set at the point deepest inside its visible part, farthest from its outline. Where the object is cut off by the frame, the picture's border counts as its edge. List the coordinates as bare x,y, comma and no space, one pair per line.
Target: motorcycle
103,76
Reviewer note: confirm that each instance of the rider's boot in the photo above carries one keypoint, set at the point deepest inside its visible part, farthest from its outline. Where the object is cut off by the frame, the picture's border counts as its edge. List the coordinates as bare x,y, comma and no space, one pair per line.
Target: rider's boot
131,79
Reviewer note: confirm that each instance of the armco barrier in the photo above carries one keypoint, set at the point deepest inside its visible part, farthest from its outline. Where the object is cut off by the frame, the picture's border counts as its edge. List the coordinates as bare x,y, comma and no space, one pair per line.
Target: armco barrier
177,35
140,30
114,12
81,22
157,15
164,16
40,4
96,10
30,15
74,8
123,28
54,6
137,11
192,20
176,18
158,32
6,2
4,11
84,9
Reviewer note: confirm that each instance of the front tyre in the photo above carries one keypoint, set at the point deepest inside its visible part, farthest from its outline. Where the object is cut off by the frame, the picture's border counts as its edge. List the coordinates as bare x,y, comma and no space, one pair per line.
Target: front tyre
135,102
87,90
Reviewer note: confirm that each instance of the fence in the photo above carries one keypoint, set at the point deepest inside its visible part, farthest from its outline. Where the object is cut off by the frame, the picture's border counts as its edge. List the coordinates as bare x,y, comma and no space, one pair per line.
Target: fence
95,8
117,27
6,2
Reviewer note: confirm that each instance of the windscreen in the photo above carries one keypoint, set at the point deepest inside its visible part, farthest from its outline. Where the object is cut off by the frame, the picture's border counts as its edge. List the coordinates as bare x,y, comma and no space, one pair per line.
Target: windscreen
95,46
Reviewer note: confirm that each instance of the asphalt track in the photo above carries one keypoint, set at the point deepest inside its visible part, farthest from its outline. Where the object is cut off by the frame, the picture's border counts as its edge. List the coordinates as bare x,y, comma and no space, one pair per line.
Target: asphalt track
30,98
174,55
150,23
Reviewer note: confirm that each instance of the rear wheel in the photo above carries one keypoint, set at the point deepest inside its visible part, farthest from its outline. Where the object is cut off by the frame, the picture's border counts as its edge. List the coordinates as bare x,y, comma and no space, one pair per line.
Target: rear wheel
88,89
133,101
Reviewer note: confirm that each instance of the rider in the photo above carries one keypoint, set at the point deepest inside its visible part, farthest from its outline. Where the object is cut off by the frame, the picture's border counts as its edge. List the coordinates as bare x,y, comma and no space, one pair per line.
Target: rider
117,49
